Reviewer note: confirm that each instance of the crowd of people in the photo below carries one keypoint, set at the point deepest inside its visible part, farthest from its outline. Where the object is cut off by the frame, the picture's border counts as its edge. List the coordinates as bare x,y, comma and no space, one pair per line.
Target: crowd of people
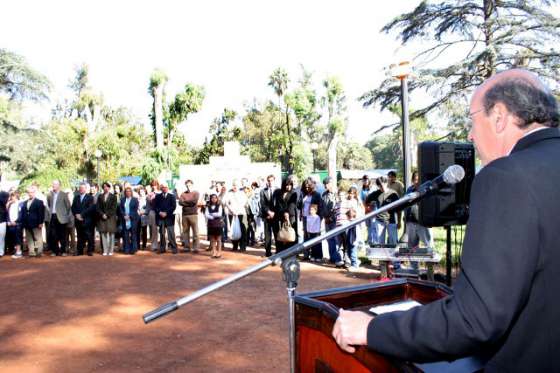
128,219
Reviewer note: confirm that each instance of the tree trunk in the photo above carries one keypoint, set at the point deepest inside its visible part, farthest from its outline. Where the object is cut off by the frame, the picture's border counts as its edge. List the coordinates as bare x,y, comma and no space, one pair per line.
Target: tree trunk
490,63
333,144
158,115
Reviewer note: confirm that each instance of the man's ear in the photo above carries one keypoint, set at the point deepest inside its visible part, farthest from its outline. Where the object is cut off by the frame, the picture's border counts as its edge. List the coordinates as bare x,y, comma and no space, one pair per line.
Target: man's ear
500,117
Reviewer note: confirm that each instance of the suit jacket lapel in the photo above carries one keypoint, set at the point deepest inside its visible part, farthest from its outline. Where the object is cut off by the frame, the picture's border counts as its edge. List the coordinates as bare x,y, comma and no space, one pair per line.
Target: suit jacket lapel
527,141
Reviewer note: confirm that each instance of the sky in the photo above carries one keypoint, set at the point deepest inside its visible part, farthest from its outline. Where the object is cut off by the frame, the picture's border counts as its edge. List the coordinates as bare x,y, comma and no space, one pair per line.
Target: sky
229,47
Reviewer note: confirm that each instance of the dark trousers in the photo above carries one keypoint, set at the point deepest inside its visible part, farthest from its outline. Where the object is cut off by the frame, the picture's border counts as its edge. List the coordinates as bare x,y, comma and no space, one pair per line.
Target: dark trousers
170,230
86,234
130,239
268,231
57,236
241,243
316,250
251,228
142,236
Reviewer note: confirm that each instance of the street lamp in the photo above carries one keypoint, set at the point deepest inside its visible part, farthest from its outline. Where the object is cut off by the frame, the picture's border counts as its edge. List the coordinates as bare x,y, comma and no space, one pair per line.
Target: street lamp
401,71
314,147
98,155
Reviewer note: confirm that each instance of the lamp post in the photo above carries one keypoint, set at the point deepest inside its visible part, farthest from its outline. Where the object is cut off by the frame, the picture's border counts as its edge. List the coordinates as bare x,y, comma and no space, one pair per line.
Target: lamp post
314,147
401,72
98,155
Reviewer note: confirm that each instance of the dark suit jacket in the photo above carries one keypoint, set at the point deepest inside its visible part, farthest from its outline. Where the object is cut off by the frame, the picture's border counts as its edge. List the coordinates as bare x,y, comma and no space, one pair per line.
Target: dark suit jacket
33,216
85,208
133,213
506,299
4,196
282,205
267,204
168,205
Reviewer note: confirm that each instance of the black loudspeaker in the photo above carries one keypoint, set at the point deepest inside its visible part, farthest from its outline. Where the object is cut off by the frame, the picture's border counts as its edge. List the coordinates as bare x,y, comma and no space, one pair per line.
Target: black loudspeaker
450,206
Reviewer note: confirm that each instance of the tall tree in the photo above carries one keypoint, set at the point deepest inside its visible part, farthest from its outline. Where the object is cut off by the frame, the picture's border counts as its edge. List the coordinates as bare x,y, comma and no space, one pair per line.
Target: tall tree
278,81
87,103
335,102
19,80
483,37
185,103
156,89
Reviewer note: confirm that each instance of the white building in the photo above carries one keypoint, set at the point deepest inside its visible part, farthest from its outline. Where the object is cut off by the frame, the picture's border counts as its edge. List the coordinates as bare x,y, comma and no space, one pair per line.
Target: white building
232,166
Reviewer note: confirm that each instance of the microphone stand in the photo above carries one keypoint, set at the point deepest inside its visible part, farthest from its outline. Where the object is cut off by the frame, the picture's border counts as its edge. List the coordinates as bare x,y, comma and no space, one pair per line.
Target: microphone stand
290,267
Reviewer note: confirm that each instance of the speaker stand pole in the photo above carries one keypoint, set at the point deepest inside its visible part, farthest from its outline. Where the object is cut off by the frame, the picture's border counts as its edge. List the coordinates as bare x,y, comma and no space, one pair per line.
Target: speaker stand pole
448,256
290,270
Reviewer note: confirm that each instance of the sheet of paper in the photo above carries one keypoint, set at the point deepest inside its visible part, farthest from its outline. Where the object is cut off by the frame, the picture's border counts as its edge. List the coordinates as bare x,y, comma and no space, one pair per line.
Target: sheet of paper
398,306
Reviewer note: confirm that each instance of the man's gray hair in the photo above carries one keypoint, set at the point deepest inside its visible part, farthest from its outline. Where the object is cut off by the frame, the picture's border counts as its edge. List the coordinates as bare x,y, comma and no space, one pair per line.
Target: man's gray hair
524,99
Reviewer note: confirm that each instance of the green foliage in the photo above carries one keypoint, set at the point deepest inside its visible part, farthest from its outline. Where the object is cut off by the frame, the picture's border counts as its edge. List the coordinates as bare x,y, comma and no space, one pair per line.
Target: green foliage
187,102
387,148
486,36
353,156
222,130
158,78
19,81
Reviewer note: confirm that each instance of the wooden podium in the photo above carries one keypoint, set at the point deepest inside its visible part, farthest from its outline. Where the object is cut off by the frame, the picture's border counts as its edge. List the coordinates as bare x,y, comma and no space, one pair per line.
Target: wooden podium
317,351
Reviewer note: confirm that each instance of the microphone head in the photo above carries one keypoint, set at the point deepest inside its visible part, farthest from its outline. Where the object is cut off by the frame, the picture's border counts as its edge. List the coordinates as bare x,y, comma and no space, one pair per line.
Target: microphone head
453,174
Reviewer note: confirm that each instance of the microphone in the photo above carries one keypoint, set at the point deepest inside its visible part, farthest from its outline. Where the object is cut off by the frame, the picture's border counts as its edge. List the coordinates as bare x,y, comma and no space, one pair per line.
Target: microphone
452,175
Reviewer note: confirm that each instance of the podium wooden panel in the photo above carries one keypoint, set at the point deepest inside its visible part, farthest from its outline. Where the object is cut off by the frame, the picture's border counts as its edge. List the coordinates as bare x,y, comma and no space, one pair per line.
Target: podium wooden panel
317,351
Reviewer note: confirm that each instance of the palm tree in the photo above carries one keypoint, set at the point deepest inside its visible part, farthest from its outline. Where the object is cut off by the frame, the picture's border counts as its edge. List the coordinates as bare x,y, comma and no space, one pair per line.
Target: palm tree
334,100
158,79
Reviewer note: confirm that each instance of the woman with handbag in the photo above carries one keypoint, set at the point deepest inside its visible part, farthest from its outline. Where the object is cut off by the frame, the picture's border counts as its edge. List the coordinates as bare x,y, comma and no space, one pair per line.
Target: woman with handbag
215,220
285,212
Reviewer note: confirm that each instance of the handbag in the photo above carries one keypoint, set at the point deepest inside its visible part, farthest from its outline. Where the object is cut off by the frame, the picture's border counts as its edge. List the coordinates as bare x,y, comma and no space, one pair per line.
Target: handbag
286,233
235,229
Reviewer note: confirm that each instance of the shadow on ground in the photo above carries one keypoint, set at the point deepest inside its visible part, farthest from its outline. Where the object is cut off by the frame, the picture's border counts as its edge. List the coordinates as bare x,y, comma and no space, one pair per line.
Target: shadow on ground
85,314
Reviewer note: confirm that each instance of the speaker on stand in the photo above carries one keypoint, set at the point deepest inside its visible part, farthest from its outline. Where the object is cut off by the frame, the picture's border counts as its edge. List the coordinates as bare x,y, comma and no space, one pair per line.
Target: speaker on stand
450,206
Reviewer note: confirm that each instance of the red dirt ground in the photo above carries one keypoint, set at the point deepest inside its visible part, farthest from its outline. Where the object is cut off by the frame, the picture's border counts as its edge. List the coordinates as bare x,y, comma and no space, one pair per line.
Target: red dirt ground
84,314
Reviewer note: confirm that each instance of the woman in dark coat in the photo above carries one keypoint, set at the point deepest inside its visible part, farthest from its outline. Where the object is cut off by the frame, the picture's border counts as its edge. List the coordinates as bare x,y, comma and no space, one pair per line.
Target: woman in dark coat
107,218
309,196
285,209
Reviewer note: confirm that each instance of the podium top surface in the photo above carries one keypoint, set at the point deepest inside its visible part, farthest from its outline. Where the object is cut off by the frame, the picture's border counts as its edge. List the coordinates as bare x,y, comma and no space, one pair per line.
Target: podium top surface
388,254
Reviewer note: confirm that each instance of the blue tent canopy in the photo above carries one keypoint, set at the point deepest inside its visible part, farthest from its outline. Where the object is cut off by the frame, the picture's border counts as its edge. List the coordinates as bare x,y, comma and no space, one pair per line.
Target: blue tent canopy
133,180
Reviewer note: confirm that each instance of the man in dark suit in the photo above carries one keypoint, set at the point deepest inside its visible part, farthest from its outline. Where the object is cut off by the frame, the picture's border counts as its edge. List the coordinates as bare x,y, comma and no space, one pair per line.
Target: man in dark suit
83,209
505,302
32,217
267,213
165,205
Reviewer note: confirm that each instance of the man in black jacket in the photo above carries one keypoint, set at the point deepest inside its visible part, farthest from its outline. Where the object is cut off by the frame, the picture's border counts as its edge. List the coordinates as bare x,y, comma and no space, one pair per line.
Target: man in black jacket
165,205
83,209
267,213
505,300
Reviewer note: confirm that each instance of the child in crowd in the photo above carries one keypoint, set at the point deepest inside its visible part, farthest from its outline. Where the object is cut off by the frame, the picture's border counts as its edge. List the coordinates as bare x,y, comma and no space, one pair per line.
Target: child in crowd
214,216
314,230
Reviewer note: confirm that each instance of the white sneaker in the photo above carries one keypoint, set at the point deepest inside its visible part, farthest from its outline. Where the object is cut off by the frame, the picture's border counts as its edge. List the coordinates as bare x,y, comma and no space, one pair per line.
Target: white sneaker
110,254
17,256
104,254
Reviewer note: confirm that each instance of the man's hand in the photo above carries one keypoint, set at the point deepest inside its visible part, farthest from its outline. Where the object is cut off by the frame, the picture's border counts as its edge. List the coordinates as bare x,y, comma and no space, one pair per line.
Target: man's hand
270,215
162,214
350,329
